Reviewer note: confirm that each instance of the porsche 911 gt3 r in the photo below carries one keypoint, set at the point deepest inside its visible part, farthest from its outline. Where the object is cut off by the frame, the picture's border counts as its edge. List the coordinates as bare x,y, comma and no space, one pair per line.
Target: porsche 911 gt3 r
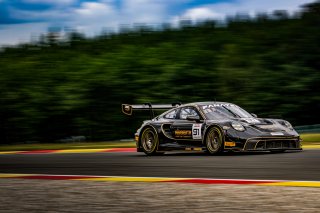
211,126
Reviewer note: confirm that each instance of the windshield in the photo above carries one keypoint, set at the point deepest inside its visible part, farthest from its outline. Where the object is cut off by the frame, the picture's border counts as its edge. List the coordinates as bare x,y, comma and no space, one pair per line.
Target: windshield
224,110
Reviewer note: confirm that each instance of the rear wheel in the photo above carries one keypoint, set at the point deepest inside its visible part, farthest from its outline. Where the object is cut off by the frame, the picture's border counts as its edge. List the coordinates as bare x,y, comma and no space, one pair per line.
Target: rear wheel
149,141
214,140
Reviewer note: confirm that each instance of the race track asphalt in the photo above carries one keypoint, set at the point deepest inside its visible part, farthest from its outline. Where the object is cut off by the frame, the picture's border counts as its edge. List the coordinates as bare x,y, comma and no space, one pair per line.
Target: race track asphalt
303,165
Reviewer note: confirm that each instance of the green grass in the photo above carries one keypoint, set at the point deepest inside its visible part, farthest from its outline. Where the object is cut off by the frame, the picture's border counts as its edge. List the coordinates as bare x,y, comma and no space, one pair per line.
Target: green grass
308,139
74,145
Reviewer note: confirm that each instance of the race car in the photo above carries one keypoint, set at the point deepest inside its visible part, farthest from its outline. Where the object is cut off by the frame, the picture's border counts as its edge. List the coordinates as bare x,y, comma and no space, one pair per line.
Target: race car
213,127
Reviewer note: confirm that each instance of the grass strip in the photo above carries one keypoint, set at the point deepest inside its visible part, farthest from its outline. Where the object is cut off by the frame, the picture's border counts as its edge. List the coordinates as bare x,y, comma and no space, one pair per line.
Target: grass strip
73,145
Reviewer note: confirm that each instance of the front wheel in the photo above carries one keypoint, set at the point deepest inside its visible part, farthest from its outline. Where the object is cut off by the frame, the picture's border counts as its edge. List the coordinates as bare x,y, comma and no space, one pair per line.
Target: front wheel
214,141
149,141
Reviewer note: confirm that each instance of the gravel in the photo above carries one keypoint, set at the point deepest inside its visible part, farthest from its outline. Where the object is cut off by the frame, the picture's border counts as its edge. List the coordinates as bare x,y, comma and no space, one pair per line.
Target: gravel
21,195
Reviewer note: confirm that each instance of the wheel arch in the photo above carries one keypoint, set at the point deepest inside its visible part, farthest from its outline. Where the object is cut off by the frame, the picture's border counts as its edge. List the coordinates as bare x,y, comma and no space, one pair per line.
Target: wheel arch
143,128
208,128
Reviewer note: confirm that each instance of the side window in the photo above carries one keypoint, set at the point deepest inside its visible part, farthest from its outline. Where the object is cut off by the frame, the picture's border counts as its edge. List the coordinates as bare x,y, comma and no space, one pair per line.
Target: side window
187,111
171,115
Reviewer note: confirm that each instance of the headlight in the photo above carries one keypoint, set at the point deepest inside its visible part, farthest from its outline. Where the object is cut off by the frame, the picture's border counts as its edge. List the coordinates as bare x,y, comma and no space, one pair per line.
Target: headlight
237,126
288,125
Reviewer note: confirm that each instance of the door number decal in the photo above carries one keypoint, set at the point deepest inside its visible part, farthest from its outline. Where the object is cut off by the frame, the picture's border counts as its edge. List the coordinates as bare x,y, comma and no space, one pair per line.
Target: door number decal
196,131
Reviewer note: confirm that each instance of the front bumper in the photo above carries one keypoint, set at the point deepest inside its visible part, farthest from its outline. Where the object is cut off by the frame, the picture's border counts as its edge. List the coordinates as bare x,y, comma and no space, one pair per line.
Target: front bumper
270,144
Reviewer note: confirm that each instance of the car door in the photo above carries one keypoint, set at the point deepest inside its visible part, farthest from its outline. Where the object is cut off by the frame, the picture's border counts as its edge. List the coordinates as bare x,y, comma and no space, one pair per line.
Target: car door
184,129
167,122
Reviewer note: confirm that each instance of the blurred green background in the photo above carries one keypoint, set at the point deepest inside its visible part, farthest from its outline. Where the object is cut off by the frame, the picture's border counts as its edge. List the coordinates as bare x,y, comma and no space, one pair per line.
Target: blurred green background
54,88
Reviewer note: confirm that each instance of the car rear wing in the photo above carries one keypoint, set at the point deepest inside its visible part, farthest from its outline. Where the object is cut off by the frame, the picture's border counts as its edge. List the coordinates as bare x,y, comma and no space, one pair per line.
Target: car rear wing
127,108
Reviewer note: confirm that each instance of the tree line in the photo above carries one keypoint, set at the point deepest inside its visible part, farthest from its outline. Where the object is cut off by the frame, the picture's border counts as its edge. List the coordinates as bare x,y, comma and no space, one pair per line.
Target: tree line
268,64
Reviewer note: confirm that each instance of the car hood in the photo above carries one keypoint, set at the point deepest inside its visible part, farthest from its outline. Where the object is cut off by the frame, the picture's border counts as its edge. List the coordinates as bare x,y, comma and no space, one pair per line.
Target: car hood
265,124
255,121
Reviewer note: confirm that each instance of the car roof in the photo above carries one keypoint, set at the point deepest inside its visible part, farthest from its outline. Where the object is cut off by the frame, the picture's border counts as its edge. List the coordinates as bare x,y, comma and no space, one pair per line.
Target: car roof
205,103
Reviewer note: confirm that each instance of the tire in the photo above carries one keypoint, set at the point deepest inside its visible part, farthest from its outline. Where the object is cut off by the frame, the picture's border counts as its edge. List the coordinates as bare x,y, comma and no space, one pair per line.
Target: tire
149,141
214,141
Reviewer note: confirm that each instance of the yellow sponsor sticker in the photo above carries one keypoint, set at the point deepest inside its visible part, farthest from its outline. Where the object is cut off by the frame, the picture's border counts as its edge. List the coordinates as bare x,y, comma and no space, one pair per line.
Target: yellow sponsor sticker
229,143
193,149
182,133
136,138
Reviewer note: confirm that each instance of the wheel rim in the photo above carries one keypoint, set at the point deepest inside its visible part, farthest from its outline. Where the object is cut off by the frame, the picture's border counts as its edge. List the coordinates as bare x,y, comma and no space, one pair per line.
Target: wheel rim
213,140
148,140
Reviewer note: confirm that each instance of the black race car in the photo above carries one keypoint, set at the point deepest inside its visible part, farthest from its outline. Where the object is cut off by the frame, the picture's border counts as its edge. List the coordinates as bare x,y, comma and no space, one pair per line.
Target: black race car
210,126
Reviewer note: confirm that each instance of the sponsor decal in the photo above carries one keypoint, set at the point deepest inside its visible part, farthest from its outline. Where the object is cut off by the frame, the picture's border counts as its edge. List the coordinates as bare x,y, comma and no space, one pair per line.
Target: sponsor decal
182,133
196,131
276,133
229,144
193,149
216,105
251,120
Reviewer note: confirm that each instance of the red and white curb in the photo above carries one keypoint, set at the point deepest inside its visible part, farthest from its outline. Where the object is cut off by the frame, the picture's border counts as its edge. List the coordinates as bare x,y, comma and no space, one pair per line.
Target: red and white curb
52,151
164,180
66,151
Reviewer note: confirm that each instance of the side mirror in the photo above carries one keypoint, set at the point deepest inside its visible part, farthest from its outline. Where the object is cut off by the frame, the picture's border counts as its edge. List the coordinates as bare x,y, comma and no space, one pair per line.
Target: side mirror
254,115
193,118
